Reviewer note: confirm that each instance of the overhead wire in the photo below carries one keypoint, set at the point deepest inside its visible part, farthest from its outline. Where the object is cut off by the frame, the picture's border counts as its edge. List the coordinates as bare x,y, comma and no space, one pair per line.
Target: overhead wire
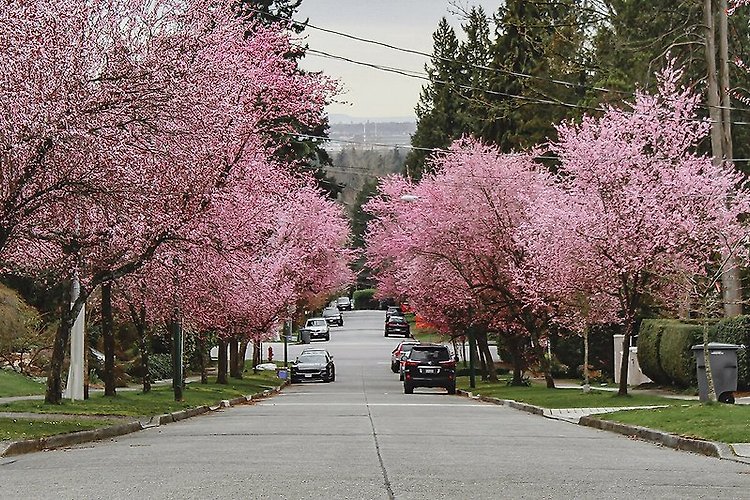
517,74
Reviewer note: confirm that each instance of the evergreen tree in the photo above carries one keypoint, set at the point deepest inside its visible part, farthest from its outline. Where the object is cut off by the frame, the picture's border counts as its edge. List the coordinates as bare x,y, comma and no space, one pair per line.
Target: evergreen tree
439,104
545,41
304,150
474,53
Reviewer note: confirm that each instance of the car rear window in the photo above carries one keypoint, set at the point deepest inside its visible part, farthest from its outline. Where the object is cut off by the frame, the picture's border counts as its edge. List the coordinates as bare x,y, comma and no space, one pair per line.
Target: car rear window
397,319
407,347
315,322
422,354
312,358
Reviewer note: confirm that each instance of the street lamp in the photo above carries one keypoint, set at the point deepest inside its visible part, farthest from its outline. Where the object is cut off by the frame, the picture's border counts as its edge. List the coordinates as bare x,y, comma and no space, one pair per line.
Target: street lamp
291,309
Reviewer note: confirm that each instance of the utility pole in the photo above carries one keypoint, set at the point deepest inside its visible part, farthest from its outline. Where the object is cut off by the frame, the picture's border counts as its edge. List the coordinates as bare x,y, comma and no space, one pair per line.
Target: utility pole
719,106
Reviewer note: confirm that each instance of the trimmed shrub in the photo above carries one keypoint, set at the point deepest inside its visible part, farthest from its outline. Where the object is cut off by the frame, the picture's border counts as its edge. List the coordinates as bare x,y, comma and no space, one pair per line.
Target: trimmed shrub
664,349
363,299
675,354
649,338
737,331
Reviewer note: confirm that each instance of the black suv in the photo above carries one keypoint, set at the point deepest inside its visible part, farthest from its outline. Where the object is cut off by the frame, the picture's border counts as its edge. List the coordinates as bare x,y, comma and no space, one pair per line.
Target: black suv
429,365
396,325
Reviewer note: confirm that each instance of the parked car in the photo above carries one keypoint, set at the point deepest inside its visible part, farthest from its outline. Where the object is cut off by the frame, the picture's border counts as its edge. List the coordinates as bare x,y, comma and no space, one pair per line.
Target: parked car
429,365
397,325
393,310
313,364
318,328
333,316
344,304
400,353
323,350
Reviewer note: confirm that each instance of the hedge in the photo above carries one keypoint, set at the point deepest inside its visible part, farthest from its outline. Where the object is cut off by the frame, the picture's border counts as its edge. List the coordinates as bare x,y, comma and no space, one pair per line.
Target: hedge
649,338
363,299
675,353
666,357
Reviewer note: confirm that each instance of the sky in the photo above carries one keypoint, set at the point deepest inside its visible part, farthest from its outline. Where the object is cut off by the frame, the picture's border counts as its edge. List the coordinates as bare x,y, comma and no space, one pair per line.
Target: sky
368,92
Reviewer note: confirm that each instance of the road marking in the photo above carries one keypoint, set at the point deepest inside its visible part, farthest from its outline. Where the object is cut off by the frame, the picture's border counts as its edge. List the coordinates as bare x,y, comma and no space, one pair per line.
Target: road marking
269,403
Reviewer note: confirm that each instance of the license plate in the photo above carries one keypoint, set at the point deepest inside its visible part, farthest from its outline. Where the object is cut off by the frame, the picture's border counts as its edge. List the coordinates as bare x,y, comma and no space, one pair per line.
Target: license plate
308,375
429,370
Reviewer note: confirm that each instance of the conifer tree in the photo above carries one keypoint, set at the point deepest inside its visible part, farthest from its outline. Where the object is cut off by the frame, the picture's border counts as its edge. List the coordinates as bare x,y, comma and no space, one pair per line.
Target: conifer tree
439,104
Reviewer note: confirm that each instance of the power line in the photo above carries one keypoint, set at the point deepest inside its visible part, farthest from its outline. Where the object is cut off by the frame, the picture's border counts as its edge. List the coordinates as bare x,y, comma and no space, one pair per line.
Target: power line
423,76
466,63
434,150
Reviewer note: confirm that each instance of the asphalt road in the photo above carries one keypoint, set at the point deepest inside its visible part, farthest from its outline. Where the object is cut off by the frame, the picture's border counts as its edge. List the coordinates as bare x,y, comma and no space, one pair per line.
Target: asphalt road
361,437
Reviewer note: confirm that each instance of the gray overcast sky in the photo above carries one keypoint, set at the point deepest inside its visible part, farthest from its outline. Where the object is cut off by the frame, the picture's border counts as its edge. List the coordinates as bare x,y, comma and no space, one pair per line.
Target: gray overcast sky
371,93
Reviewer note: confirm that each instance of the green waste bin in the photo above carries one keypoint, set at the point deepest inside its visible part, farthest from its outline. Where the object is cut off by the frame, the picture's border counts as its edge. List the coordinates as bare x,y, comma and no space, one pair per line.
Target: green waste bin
723,369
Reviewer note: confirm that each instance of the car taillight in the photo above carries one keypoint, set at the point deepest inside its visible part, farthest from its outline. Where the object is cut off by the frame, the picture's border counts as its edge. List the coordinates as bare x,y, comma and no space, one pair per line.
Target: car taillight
448,364
411,363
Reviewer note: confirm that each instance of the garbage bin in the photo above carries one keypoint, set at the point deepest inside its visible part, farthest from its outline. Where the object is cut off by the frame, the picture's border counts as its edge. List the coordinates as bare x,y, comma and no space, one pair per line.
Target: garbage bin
723,369
304,336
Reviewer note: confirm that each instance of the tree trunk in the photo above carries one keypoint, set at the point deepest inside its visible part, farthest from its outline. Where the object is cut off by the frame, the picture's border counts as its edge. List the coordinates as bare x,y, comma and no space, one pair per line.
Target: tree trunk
719,111
484,347
241,353
108,336
145,367
221,376
629,327
517,359
256,353
53,394
202,353
586,386
545,363
233,355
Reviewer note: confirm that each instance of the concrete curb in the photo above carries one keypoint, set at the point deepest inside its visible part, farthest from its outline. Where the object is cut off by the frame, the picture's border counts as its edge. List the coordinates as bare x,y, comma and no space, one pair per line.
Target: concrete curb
710,448
11,448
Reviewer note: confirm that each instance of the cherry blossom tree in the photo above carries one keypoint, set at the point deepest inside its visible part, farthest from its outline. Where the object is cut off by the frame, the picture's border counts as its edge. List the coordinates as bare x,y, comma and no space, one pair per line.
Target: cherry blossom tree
125,122
642,208
454,251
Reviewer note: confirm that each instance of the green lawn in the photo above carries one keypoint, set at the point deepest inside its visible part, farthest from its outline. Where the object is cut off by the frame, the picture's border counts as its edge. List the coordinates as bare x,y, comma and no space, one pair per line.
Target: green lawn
15,384
539,395
159,400
17,429
717,422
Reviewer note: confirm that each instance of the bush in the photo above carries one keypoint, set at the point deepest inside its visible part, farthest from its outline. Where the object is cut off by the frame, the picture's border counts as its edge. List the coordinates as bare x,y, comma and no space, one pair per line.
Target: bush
160,366
665,349
363,299
675,353
737,331
568,348
649,338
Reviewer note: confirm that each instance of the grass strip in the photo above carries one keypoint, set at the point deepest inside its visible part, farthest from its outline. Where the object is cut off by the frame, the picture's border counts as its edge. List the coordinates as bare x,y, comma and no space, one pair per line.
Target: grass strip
158,401
16,429
539,395
714,422
15,384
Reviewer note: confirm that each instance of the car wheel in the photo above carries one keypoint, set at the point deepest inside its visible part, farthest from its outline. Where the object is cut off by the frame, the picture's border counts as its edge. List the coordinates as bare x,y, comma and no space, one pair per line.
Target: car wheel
451,389
333,375
401,377
328,337
385,334
394,368
408,389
